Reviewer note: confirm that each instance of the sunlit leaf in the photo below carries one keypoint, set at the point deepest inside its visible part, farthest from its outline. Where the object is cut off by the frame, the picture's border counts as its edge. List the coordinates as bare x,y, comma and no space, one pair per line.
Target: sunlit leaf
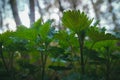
76,20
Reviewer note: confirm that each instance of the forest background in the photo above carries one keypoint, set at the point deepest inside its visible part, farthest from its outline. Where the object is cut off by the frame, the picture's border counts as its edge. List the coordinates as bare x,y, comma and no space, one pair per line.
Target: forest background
26,12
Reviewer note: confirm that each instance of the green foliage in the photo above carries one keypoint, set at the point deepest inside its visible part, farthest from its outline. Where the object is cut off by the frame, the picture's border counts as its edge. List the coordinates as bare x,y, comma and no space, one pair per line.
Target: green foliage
66,38
37,24
45,29
76,20
98,35
42,53
5,36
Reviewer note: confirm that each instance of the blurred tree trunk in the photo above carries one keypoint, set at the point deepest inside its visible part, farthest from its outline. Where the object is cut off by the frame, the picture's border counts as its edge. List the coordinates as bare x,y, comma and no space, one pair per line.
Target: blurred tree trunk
32,11
60,6
96,9
2,6
61,9
1,18
74,3
39,8
114,18
13,4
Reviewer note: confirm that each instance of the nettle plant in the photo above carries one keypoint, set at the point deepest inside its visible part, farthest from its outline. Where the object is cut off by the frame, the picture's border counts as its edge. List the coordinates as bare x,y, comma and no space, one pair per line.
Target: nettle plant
81,51
26,51
80,24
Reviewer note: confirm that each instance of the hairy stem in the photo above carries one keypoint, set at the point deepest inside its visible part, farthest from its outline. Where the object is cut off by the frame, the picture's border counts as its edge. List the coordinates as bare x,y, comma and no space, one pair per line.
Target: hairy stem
81,43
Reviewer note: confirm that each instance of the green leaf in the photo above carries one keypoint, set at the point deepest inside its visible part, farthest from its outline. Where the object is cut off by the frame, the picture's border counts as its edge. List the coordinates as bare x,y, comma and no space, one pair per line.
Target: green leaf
66,38
76,20
106,43
96,23
25,33
45,29
99,35
37,24
5,36
56,52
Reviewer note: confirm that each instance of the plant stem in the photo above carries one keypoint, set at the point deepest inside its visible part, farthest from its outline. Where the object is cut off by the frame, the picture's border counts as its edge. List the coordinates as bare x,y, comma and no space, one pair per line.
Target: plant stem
43,60
108,65
12,66
3,60
92,45
12,76
43,66
81,43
